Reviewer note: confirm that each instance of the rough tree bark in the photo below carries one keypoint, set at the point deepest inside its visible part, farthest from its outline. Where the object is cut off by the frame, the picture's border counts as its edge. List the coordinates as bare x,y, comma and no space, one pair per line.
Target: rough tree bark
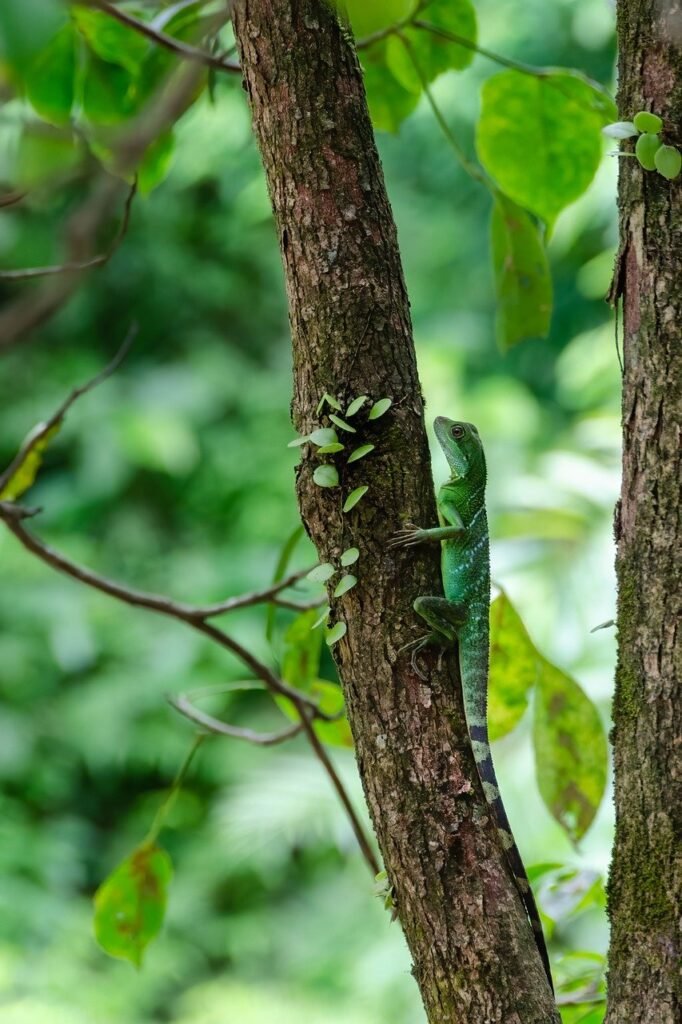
473,951
645,885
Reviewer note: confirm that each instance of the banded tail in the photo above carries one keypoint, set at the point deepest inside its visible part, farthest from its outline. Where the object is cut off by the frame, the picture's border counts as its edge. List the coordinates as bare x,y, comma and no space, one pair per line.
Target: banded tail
474,672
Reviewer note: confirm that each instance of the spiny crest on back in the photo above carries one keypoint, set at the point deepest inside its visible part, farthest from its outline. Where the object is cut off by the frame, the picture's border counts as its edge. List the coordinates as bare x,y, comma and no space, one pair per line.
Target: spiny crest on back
462,447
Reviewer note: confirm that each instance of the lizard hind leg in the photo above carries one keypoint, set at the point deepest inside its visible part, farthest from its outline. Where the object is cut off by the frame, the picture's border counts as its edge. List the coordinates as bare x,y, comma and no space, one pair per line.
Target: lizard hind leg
444,619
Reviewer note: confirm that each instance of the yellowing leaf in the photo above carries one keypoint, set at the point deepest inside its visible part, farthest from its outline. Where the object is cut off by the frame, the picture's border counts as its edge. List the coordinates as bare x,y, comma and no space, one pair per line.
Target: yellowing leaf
130,904
513,668
25,473
570,750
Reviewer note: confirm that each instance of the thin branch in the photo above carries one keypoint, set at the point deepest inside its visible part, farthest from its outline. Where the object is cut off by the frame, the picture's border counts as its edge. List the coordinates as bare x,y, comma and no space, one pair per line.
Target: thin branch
176,46
40,432
30,273
11,199
256,597
182,704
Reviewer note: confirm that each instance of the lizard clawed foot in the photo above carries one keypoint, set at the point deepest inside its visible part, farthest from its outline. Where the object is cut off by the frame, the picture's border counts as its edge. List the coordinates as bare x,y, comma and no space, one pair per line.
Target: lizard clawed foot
407,537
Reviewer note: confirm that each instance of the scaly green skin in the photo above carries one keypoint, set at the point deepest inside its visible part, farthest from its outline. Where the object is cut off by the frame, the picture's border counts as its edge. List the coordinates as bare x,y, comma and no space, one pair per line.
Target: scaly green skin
463,617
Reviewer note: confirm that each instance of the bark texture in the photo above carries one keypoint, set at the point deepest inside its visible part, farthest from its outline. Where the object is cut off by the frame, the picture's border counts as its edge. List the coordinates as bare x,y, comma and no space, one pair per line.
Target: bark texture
473,951
646,874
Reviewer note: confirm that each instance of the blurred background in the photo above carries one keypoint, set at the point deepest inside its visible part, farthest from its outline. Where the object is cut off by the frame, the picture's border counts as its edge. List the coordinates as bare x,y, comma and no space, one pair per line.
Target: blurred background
158,479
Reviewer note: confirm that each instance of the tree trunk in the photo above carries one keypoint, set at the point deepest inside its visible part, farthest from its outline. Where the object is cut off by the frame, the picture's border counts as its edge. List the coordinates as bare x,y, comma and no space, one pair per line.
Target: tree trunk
473,950
645,884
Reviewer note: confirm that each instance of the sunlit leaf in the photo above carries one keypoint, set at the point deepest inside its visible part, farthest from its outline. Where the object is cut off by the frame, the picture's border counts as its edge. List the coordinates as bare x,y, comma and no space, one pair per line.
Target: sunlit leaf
108,95
328,400
619,130
45,155
326,476
130,904
25,473
540,138
523,283
322,617
570,750
354,497
371,17
513,668
301,651
329,696
298,441
330,449
359,453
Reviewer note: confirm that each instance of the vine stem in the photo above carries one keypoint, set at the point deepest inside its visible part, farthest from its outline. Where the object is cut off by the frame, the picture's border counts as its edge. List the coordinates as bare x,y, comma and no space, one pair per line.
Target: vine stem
167,805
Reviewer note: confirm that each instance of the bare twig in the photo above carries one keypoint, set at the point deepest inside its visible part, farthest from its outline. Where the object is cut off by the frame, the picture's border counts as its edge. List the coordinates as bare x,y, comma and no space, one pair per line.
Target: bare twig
30,273
183,704
176,46
38,433
11,199
256,597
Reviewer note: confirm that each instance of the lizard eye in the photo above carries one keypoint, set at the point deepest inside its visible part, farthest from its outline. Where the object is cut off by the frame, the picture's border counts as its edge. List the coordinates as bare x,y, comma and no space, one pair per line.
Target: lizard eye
457,432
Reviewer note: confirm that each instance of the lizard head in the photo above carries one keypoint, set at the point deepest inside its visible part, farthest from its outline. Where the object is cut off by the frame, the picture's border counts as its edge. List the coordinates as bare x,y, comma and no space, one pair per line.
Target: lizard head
462,447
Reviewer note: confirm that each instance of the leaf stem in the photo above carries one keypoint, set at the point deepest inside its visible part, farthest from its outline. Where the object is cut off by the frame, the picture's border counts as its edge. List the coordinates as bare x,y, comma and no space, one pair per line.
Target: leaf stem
167,805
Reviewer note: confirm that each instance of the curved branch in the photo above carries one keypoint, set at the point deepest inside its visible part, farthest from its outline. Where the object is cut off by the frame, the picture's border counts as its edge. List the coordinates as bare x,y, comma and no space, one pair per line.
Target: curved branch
183,704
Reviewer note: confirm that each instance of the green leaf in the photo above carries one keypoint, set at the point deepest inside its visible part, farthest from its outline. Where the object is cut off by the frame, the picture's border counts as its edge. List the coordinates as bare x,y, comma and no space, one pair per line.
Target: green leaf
324,436
570,750
301,653
330,449
523,283
366,18
50,78
539,137
333,635
354,497
345,584
321,573
329,696
668,161
282,562
389,103
350,556
341,424
326,476
380,407
359,453
356,405
513,668
298,441
131,903
45,155
25,473
156,163
646,122
330,400
110,40
646,149
433,53
619,130
26,28
108,92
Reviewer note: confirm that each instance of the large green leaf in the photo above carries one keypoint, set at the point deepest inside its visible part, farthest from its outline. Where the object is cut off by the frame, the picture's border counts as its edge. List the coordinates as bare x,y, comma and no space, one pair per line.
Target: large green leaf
570,750
433,53
513,668
130,904
50,78
523,283
539,136
109,94
45,155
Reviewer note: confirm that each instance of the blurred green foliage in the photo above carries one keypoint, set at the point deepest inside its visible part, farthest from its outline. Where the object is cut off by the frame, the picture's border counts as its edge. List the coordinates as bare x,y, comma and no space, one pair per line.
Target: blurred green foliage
157,479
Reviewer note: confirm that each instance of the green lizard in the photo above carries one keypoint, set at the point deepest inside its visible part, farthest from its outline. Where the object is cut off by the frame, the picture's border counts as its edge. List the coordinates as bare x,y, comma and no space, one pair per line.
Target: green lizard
463,616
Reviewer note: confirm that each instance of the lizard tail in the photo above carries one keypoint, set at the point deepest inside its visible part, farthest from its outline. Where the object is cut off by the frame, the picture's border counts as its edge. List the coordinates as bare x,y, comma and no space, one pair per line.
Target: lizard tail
474,672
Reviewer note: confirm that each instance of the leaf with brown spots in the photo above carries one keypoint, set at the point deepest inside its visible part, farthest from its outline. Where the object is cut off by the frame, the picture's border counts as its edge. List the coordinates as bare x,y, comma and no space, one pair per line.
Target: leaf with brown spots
130,904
